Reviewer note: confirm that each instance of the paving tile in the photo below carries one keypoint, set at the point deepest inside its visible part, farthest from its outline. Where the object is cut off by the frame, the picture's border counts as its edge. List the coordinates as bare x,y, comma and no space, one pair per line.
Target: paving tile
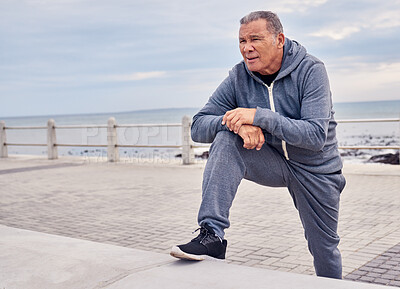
381,281
366,279
379,270
270,261
353,277
358,273
373,274
394,283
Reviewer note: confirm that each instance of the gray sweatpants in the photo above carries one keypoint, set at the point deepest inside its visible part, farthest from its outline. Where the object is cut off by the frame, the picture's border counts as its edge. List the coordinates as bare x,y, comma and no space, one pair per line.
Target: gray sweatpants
316,196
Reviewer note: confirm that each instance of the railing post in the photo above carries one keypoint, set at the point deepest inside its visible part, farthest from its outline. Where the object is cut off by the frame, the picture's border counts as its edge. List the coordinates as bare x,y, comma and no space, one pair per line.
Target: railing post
399,137
187,150
3,140
112,149
52,151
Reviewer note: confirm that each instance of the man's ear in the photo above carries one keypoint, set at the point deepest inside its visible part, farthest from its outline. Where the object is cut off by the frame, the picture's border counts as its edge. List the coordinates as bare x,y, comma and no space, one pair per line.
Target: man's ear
280,40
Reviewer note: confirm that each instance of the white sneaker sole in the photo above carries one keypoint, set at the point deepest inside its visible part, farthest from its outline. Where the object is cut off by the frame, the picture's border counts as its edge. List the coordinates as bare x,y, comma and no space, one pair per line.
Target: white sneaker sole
178,253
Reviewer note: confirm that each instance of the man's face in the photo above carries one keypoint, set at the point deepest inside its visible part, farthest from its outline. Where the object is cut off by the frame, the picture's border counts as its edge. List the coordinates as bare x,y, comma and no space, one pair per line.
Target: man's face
259,50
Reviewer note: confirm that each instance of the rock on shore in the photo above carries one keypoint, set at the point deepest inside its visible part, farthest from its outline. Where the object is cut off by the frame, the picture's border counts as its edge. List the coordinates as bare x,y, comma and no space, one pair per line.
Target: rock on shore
390,158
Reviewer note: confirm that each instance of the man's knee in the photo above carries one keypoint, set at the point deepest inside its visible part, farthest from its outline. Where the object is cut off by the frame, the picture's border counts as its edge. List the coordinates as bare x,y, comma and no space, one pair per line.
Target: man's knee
226,140
226,136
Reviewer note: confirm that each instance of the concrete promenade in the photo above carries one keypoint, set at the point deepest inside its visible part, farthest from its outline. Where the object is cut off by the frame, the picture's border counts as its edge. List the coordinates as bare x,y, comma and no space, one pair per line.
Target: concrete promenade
151,205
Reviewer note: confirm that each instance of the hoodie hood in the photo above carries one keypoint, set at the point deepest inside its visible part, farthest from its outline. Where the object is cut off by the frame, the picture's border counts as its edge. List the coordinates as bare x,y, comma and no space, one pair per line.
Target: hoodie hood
293,54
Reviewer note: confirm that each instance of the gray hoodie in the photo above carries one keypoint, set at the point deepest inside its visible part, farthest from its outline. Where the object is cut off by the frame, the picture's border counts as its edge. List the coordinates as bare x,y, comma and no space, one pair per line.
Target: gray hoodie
295,112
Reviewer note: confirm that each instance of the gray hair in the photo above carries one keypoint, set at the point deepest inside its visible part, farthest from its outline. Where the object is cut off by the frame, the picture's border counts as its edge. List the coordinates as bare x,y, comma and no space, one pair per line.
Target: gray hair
274,25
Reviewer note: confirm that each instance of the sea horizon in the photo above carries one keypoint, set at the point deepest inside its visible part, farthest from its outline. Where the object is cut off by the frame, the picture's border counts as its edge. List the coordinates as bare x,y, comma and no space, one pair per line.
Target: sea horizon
387,103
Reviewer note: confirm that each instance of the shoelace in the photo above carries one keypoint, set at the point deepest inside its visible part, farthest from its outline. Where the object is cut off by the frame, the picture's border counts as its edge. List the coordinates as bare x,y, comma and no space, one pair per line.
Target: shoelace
204,233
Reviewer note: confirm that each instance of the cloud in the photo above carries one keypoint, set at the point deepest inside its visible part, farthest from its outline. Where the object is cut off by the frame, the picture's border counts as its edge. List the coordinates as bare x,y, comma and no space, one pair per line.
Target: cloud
79,80
371,18
387,19
291,6
137,76
336,33
358,81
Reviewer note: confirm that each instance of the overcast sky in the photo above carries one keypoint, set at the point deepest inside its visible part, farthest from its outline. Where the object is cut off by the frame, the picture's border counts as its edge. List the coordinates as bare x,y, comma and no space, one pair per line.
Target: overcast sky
89,56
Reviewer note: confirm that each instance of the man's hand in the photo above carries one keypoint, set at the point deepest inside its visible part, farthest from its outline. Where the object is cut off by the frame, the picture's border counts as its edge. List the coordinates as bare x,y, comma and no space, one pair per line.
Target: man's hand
235,118
252,136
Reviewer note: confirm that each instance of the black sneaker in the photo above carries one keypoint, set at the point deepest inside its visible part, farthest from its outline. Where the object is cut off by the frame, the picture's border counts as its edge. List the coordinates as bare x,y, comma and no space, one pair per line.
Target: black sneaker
207,245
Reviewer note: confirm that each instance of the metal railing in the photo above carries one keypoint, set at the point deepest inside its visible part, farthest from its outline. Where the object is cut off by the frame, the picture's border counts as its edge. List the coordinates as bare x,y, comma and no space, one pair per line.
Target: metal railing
112,146
366,121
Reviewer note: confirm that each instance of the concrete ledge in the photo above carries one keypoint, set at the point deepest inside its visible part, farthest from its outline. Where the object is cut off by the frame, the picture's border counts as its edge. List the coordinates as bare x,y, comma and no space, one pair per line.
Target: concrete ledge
35,260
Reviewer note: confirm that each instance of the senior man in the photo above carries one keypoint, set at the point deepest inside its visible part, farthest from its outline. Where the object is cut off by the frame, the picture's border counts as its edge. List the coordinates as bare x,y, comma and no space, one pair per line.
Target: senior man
271,121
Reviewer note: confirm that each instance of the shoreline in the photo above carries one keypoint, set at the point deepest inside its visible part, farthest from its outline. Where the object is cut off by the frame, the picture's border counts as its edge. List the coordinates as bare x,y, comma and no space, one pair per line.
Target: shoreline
171,162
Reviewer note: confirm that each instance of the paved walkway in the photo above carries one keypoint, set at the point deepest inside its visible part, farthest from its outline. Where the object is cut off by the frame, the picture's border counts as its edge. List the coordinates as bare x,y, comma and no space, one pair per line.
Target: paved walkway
151,207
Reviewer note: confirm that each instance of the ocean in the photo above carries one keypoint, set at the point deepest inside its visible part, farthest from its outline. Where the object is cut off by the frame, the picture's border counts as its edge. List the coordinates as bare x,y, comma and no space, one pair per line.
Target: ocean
348,134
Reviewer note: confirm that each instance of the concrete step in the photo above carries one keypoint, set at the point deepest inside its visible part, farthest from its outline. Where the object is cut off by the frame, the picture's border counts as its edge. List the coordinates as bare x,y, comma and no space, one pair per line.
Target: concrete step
38,261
